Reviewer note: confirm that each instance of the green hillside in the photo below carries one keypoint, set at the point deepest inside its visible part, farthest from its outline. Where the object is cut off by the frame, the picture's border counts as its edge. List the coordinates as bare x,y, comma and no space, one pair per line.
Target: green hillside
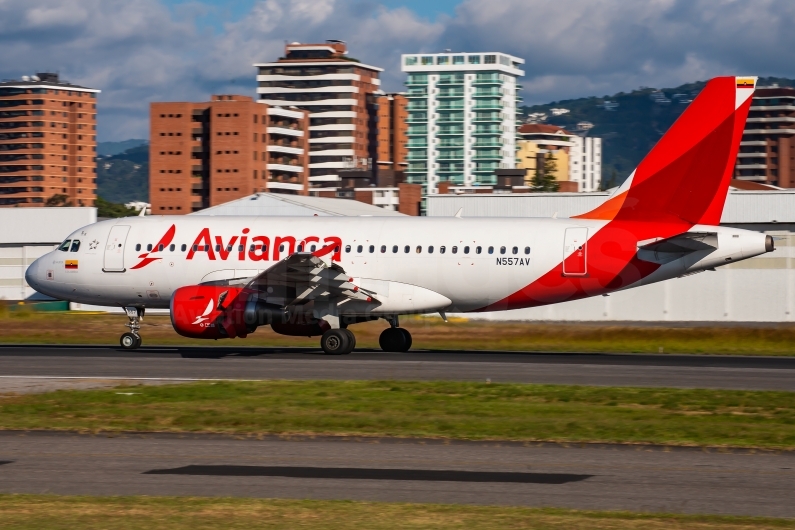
114,148
124,177
631,129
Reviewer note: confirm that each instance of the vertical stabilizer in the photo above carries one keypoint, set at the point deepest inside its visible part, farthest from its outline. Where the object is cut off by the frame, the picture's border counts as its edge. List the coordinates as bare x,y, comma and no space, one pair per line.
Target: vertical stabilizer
685,177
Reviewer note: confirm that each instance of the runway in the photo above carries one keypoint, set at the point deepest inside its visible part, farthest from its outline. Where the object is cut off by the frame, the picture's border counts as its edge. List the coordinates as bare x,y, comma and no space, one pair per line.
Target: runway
682,371
600,477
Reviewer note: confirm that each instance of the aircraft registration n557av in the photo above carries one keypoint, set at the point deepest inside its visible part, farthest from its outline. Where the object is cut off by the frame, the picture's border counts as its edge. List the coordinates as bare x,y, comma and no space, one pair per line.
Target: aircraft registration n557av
222,277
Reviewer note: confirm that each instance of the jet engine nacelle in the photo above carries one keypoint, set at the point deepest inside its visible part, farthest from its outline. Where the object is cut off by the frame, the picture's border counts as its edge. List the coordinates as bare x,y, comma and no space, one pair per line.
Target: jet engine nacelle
209,312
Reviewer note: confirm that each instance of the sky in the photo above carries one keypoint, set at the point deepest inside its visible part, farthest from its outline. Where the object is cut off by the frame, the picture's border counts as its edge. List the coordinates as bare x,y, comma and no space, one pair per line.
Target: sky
139,51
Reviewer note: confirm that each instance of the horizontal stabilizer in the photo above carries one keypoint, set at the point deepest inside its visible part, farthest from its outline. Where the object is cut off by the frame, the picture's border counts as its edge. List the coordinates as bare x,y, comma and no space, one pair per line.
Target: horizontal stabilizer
682,243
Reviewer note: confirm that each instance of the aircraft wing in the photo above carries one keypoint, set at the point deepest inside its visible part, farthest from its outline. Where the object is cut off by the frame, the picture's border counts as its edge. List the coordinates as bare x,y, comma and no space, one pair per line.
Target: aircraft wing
303,277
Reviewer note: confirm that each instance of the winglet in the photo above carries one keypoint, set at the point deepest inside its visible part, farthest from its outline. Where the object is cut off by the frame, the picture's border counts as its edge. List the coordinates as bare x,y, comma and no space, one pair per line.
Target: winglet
459,212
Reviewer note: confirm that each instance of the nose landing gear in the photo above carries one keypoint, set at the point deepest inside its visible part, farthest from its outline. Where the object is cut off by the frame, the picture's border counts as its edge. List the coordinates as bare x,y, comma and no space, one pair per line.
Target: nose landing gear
132,339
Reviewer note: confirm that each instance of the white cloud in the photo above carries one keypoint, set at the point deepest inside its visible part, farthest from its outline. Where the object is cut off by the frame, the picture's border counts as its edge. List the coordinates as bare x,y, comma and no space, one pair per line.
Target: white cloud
138,51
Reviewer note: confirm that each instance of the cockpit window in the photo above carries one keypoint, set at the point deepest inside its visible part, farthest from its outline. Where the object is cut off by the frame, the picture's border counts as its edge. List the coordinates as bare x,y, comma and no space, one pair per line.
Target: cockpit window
65,245
75,245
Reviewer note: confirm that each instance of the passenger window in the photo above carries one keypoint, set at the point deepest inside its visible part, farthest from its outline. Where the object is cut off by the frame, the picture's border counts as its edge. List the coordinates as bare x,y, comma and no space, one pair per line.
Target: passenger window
65,245
196,247
406,249
347,248
430,249
454,250
218,248
313,248
491,250
419,249
527,250
172,247
300,248
252,248
75,245
240,248
515,250
138,247
281,248
383,249
441,250
149,247
502,250
372,249
394,249
160,248
184,247
359,249
478,250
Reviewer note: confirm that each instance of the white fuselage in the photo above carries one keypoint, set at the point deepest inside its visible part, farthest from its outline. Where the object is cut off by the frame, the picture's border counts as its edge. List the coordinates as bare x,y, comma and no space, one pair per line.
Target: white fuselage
450,264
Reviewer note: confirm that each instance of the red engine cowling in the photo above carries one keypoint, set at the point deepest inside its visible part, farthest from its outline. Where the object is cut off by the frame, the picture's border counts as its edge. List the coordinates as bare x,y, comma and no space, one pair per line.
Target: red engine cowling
209,312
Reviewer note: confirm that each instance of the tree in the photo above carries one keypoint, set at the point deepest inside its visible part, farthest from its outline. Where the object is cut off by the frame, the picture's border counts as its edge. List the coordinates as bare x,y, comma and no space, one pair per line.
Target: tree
111,209
59,199
544,180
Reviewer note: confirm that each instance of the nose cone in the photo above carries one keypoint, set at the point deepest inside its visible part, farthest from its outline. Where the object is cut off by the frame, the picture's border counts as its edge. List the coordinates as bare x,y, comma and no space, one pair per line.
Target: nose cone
34,275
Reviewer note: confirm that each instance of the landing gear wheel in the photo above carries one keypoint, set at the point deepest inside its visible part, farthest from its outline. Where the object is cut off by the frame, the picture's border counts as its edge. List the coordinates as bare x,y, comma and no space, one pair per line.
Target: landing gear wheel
336,342
352,339
395,340
130,341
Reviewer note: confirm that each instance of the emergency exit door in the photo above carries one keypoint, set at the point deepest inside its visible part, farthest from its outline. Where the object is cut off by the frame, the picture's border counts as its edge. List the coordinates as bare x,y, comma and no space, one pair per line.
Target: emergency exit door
575,252
114,249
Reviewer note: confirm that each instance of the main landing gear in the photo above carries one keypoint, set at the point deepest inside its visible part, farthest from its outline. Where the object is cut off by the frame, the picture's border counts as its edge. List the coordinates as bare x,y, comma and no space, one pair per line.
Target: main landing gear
339,341
395,338
132,339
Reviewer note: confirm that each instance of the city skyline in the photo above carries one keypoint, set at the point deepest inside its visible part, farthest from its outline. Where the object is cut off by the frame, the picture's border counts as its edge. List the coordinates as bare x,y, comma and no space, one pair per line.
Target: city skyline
163,50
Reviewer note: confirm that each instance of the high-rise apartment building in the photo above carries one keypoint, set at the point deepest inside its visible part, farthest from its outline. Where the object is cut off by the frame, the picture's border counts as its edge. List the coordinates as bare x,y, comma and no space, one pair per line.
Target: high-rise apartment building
48,142
204,154
767,148
462,117
339,92
579,157
392,139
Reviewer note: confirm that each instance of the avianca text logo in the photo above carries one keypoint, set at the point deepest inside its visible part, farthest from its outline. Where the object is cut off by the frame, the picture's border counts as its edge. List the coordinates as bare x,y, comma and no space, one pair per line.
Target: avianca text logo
163,243
246,248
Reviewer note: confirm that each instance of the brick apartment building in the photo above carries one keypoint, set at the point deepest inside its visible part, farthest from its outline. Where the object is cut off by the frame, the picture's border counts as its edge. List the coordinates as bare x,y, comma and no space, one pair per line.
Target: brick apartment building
341,95
392,138
47,141
205,154
767,149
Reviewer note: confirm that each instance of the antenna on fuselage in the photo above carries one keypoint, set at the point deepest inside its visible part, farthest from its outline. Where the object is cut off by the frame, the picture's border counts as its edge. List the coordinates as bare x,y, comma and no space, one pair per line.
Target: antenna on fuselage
459,212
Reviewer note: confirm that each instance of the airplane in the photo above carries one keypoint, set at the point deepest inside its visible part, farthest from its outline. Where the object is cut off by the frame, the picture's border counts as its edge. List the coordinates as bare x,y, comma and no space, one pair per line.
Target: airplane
224,277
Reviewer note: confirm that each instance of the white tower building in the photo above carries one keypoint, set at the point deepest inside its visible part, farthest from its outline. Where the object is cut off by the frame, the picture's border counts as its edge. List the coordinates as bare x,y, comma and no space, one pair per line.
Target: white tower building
461,117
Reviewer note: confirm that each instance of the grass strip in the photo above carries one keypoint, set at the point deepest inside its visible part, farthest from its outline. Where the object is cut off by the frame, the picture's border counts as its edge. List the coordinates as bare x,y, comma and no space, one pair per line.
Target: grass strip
453,410
27,327
192,513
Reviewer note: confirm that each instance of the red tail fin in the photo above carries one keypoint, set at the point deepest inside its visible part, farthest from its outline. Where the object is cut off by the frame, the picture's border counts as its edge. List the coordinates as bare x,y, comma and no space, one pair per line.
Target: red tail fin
685,177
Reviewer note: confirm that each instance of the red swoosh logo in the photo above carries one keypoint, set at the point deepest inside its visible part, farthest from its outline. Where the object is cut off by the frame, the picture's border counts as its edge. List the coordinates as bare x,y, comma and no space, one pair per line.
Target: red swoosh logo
164,241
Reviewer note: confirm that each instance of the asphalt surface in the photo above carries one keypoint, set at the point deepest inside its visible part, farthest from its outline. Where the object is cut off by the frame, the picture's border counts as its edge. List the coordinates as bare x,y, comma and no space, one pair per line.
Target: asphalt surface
683,371
599,477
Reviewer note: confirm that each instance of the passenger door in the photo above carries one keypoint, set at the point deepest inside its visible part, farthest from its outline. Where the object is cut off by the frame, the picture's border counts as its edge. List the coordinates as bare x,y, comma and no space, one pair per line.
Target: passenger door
575,252
114,249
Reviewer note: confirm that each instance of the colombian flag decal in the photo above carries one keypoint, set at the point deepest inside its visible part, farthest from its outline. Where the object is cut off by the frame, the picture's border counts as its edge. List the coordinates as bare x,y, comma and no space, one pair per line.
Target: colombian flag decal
70,264
745,82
